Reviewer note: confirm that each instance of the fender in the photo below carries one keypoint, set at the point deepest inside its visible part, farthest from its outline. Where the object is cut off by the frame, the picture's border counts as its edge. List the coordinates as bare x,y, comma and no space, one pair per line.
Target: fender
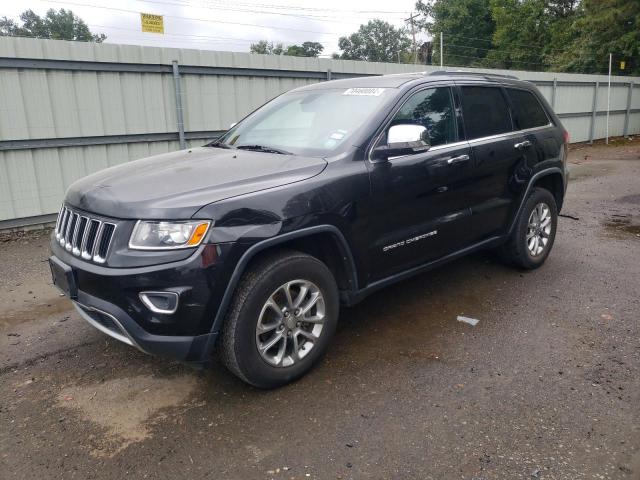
273,241
532,180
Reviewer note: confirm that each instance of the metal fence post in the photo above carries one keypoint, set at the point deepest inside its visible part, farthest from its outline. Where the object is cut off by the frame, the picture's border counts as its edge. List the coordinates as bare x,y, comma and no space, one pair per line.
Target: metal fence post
328,74
553,93
179,113
626,117
593,112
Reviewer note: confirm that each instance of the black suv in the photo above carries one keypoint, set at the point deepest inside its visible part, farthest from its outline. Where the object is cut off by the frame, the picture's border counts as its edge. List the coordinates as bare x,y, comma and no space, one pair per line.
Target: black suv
248,246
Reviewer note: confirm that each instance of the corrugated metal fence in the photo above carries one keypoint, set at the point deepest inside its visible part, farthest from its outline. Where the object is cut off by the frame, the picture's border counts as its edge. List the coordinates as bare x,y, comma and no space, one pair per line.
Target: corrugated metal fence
68,109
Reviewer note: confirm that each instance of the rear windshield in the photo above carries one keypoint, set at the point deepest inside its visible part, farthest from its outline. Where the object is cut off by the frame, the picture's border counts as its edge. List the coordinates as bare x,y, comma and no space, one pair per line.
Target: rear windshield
310,123
529,113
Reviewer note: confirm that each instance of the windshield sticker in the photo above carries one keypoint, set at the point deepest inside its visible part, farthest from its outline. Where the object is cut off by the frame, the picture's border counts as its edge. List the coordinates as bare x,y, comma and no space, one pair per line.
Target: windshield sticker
371,92
338,134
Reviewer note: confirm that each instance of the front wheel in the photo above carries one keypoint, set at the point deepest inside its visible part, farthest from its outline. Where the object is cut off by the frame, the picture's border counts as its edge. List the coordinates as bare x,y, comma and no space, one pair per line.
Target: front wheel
282,318
535,231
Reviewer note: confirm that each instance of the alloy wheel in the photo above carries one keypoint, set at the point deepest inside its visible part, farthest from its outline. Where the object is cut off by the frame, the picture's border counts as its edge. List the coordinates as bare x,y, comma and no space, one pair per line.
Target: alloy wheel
539,229
290,323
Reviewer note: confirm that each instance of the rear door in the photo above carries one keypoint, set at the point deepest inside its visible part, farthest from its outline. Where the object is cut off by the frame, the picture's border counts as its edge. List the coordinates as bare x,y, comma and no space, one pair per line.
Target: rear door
496,156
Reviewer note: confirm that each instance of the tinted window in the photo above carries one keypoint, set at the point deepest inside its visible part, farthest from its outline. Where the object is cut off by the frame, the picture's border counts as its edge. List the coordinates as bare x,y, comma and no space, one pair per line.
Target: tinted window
529,112
433,109
485,112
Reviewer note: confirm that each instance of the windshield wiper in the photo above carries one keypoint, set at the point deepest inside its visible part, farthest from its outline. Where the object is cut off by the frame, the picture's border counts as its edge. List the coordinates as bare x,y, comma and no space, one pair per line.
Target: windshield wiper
263,148
218,145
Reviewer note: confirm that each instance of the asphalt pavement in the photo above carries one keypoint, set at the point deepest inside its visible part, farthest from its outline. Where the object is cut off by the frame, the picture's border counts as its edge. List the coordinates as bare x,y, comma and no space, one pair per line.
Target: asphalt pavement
545,385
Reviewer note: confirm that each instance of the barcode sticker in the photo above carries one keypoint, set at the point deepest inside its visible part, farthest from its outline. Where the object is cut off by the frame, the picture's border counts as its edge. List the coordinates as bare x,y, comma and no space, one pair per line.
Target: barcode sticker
372,92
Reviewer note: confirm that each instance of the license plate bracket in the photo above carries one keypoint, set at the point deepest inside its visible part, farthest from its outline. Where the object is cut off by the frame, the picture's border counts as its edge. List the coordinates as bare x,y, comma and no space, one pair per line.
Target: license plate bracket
63,277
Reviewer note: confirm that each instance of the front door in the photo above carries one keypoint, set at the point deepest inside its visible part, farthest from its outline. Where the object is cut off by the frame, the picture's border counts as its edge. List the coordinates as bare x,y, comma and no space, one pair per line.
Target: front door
420,209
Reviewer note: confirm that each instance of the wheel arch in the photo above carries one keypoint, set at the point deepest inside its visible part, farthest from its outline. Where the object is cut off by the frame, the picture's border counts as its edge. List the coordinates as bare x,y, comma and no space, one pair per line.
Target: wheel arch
554,182
549,178
321,241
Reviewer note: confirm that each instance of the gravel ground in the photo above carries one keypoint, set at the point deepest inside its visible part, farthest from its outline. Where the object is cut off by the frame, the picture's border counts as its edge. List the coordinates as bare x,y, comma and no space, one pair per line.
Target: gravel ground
546,385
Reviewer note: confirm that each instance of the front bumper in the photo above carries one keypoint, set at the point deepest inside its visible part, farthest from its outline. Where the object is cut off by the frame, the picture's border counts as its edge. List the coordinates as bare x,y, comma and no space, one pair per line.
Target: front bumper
113,321
109,299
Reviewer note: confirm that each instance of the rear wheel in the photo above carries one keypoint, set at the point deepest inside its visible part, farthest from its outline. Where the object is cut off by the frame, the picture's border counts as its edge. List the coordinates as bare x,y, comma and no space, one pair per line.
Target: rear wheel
281,320
535,230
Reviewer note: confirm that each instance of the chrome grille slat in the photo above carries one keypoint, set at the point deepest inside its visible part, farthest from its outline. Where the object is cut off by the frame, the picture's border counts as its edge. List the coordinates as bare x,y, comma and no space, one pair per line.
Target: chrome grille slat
77,237
84,236
63,226
90,244
71,225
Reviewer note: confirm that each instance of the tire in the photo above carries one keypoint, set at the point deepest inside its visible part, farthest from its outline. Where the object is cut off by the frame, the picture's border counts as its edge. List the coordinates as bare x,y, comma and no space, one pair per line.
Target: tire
518,249
269,279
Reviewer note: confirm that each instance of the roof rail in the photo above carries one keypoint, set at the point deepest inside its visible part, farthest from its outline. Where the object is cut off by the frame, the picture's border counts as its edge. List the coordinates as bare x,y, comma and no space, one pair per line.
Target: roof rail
462,73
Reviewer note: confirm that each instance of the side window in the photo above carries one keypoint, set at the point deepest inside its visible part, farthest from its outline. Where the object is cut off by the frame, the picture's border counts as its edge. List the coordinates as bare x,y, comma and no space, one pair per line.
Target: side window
433,109
485,112
529,112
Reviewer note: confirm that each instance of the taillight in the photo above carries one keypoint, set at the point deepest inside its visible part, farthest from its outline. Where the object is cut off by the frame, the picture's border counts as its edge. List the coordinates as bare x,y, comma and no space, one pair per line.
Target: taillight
565,134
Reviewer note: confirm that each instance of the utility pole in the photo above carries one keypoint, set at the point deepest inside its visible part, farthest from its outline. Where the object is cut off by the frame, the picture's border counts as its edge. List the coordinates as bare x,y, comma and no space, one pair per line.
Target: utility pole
608,98
441,49
413,34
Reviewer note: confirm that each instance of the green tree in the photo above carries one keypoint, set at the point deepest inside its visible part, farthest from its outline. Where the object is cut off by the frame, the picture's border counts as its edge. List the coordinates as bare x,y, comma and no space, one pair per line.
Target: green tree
60,25
307,49
266,48
377,41
602,27
467,27
522,33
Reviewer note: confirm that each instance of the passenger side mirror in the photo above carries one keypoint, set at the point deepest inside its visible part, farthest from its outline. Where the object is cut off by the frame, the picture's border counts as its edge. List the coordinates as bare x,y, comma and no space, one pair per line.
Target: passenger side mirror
403,139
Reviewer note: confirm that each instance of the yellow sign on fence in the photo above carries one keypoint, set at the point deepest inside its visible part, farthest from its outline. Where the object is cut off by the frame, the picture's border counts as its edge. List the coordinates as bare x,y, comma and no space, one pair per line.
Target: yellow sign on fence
152,23
622,64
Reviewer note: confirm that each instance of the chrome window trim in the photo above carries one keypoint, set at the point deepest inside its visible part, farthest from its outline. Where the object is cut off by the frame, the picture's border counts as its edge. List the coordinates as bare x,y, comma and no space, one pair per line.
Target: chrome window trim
460,142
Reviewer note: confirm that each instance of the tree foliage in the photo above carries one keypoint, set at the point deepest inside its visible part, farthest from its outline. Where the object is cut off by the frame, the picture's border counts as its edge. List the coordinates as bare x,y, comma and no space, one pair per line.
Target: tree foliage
307,49
377,41
60,25
266,48
602,27
467,25
566,35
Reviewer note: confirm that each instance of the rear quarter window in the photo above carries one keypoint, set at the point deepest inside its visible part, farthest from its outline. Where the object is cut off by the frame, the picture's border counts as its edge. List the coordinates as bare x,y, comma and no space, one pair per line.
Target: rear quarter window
485,112
528,111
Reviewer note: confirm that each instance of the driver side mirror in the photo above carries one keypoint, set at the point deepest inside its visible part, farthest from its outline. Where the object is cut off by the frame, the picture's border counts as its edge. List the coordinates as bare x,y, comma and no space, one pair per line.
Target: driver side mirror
403,139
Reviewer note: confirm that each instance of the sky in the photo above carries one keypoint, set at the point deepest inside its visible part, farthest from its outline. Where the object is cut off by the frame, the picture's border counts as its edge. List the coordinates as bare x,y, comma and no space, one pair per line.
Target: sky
225,24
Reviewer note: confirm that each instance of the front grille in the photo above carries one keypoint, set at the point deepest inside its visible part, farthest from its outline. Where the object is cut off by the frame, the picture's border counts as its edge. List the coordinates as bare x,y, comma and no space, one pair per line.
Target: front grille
84,236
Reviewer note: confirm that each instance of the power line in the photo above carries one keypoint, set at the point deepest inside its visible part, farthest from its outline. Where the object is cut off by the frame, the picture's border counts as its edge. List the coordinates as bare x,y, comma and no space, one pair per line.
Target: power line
250,8
192,18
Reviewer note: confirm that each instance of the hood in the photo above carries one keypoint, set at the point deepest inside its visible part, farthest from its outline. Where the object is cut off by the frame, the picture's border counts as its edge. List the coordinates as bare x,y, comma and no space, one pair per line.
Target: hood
176,185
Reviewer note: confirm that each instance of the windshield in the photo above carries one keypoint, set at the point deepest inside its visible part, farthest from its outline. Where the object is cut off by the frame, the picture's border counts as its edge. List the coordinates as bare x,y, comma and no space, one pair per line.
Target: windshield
311,123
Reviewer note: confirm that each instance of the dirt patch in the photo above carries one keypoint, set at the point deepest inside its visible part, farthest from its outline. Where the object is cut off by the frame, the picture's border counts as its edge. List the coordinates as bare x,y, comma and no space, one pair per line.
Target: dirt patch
623,225
633,199
126,408
579,171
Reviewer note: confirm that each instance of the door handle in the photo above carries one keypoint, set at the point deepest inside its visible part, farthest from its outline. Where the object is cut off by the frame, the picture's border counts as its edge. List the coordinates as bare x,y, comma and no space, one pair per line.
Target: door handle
458,159
522,145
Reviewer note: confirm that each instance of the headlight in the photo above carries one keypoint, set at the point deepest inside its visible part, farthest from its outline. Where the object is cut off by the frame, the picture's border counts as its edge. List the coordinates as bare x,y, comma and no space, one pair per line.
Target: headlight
151,235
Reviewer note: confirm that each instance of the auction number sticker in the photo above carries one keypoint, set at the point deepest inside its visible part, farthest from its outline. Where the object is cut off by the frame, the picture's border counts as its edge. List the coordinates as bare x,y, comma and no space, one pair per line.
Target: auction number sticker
372,92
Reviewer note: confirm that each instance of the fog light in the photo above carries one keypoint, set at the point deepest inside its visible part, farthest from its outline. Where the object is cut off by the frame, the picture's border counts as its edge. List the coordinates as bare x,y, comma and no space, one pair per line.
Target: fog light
165,303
